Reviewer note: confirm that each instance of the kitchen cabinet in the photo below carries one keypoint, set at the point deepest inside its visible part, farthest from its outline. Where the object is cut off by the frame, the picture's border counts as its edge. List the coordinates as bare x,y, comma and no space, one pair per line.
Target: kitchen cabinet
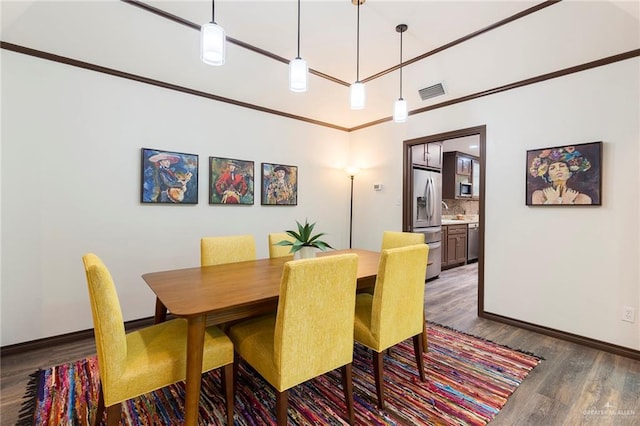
475,179
455,245
457,175
427,155
463,165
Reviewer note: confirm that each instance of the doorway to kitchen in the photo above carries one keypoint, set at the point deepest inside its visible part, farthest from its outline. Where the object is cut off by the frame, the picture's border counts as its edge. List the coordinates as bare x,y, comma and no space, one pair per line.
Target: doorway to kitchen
451,142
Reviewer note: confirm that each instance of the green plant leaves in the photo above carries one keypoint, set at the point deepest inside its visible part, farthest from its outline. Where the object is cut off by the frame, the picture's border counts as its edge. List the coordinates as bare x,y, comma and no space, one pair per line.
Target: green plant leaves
304,238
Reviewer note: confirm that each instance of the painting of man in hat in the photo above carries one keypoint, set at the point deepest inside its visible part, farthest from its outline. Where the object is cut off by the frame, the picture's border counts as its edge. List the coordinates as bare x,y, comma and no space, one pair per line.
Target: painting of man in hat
279,184
231,181
169,177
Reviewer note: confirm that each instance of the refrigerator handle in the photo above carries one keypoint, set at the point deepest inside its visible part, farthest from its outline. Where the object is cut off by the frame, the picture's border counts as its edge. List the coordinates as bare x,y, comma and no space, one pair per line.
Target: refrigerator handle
427,196
432,198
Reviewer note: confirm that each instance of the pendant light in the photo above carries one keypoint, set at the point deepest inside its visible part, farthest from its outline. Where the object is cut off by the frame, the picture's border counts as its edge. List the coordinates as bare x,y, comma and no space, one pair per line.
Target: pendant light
357,89
298,69
212,41
400,106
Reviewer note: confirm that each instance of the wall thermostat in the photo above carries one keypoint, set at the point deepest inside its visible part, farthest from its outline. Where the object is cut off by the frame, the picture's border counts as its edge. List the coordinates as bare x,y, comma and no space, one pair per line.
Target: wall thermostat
377,187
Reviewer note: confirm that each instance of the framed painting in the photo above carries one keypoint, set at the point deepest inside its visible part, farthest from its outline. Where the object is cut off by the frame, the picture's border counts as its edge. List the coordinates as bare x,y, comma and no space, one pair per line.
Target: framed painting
231,181
279,184
565,175
169,177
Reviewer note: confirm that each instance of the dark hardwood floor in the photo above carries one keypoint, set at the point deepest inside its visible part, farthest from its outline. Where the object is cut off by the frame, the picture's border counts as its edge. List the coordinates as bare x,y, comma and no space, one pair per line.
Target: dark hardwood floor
574,385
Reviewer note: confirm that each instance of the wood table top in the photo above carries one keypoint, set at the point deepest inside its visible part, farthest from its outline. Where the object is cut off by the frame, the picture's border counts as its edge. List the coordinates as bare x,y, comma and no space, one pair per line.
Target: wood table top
210,289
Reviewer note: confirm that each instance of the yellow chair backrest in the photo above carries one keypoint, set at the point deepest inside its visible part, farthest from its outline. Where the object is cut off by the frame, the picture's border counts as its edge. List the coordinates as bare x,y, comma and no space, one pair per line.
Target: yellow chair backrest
227,249
279,251
111,341
398,297
393,239
314,322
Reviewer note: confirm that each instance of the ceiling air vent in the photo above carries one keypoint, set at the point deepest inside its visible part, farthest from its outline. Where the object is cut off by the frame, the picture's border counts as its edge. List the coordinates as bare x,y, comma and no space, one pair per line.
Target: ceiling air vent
431,91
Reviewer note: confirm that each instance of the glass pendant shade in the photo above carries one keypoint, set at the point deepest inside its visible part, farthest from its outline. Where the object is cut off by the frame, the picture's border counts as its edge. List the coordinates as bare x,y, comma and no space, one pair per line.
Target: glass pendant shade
357,95
400,111
212,44
298,75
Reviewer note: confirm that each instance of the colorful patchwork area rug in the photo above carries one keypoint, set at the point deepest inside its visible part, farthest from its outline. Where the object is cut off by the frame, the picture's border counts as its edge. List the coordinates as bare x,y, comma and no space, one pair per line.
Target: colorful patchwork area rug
468,382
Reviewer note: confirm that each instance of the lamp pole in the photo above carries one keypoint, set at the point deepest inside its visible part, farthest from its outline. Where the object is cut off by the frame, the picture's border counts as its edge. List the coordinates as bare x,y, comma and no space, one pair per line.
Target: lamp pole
351,171
351,213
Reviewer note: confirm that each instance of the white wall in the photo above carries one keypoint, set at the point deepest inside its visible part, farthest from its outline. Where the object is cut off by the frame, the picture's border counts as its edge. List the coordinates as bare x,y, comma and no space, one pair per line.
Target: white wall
570,269
70,177
71,144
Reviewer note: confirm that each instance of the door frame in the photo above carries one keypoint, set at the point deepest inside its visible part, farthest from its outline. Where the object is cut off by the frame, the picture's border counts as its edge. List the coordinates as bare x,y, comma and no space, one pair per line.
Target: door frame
481,132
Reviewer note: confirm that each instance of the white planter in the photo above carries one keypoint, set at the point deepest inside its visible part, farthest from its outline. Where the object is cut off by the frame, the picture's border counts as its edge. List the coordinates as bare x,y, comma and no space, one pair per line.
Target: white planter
305,253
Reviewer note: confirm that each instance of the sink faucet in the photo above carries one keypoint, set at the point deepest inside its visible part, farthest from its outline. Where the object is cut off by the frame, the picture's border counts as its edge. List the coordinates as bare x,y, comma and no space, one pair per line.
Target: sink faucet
445,205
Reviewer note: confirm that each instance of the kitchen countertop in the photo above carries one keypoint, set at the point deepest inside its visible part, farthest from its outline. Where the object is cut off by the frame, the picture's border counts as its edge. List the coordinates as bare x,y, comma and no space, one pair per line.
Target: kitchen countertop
465,221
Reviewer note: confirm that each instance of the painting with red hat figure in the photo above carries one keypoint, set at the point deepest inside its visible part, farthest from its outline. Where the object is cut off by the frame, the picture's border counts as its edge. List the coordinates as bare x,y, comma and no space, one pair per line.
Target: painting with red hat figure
169,177
279,184
565,175
230,181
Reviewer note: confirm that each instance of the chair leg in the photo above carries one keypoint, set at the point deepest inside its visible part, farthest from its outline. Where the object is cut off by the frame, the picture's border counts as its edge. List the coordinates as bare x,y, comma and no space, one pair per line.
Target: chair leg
378,367
113,415
347,386
282,403
100,410
236,363
227,388
417,349
424,333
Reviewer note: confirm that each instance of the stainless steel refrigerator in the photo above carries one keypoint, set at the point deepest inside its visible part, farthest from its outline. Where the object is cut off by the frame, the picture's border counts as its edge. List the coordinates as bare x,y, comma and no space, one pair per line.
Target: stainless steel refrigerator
427,214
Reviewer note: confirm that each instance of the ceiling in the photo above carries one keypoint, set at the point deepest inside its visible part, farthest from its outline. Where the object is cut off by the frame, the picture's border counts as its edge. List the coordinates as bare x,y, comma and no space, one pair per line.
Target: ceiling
467,144
164,46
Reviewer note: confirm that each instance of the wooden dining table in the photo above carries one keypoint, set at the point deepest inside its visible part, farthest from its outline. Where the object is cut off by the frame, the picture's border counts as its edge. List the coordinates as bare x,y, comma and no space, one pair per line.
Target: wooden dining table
223,293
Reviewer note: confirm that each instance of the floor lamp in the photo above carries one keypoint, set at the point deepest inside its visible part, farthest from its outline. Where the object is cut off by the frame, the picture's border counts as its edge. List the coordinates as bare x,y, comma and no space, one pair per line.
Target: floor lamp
351,171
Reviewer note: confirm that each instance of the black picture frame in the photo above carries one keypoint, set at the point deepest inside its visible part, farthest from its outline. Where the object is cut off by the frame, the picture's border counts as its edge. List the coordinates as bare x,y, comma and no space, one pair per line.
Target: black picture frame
168,177
565,175
279,184
231,181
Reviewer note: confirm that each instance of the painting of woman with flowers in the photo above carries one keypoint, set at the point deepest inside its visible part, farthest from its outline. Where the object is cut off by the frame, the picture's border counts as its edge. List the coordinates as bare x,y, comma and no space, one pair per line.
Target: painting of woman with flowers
565,175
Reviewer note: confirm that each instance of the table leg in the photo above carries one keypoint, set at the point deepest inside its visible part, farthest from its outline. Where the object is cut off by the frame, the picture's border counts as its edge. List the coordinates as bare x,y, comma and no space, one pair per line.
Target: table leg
195,345
161,312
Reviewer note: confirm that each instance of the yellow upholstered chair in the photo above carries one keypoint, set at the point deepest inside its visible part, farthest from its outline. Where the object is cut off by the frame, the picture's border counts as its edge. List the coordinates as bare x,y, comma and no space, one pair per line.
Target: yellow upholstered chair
395,311
312,331
279,251
217,251
393,239
227,249
132,364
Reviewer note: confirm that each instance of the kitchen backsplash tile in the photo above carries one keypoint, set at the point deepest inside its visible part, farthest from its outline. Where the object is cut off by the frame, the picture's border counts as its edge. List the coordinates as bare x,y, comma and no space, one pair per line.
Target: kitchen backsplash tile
466,207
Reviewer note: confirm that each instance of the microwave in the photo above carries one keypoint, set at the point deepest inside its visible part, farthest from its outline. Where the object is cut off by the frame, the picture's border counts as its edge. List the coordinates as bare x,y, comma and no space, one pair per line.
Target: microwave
466,189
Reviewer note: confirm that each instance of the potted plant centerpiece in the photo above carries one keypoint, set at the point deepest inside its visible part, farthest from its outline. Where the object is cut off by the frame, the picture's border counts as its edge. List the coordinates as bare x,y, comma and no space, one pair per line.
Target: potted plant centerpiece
304,243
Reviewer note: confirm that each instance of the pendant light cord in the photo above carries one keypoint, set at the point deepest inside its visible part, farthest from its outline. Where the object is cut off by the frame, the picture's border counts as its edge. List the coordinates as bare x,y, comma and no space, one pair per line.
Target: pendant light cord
401,64
358,45
298,29
213,11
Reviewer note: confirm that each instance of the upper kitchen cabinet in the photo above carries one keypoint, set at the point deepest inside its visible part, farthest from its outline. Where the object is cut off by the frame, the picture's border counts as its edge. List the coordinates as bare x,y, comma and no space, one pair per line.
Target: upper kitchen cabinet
463,165
475,179
459,179
427,155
